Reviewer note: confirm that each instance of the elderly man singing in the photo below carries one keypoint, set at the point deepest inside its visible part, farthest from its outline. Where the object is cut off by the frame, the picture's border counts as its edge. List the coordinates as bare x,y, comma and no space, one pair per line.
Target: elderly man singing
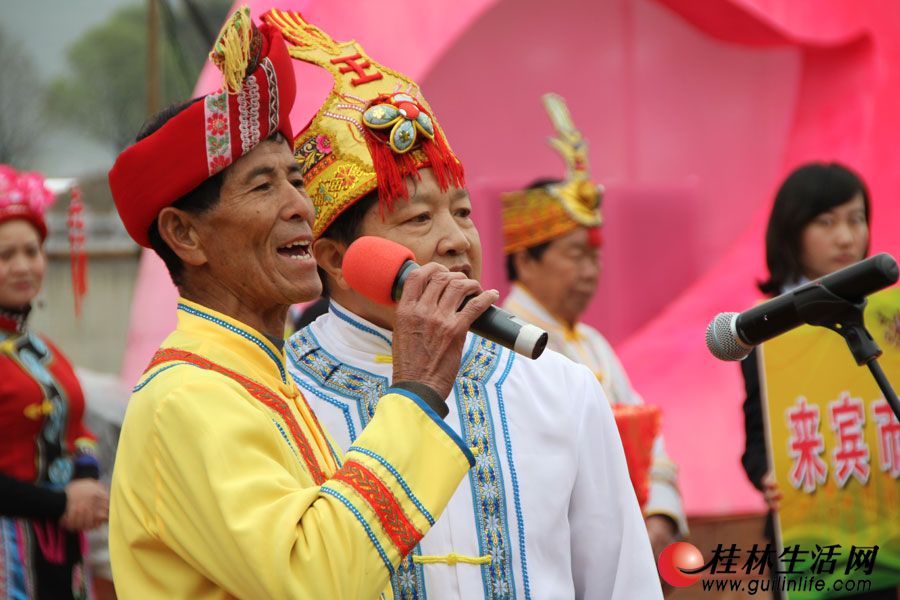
225,484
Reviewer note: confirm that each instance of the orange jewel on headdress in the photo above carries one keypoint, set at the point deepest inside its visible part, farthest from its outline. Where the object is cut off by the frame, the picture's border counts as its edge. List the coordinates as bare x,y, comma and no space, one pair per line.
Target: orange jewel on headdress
406,118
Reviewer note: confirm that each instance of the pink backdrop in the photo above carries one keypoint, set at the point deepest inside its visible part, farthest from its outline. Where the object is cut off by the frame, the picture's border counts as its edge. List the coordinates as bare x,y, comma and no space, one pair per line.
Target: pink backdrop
695,111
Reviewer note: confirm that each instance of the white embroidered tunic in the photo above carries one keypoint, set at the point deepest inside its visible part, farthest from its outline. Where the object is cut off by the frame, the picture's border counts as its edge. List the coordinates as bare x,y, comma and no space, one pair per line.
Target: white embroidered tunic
587,346
547,512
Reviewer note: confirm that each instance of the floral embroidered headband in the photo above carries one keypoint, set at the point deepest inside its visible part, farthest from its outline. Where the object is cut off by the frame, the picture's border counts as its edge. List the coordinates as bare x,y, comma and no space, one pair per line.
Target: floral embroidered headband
212,133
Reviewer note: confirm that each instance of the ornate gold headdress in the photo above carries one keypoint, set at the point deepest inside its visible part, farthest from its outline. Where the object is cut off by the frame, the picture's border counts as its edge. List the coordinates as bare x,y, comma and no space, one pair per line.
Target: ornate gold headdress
373,130
532,217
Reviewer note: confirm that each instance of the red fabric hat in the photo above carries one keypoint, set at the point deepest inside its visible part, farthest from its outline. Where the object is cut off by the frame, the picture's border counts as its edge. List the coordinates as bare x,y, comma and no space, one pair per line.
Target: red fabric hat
212,133
24,196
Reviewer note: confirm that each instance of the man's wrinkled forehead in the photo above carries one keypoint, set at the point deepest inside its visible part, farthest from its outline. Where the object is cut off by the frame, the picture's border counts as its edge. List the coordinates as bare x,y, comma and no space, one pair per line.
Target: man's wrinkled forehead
246,167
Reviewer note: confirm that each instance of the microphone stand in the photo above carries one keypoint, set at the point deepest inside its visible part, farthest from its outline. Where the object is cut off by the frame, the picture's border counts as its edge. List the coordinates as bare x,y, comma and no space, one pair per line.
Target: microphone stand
816,305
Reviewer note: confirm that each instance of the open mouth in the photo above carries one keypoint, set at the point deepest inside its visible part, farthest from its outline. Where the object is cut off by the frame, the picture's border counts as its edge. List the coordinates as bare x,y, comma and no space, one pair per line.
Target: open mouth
297,250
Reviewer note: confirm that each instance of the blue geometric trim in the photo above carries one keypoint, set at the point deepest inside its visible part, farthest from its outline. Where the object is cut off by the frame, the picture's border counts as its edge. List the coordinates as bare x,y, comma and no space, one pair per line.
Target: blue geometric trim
363,390
398,477
486,479
240,332
520,522
362,521
354,323
141,385
344,407
362,387
439,421
409,582
17,576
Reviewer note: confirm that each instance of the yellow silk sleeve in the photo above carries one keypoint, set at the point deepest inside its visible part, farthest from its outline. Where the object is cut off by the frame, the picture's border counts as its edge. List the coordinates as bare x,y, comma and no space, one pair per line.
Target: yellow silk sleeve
206,484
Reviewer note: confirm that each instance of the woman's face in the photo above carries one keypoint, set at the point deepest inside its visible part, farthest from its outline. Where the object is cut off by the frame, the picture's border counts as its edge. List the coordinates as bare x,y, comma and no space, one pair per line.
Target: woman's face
835,239
22,263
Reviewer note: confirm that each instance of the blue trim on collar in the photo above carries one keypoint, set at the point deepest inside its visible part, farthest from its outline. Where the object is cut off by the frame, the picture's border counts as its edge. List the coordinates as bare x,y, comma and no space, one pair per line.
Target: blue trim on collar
439,421
244,334
354,323
305,344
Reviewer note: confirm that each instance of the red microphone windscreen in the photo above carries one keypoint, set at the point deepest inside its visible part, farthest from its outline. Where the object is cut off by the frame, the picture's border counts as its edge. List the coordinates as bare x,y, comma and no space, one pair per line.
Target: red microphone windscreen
371,265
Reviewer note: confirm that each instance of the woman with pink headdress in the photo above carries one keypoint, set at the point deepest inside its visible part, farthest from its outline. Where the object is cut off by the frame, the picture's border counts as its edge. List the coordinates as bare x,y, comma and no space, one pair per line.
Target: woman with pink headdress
49,493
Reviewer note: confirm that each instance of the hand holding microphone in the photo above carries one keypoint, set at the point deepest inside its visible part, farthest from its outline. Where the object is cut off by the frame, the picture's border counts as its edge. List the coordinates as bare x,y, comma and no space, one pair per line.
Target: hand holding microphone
430,329
379,269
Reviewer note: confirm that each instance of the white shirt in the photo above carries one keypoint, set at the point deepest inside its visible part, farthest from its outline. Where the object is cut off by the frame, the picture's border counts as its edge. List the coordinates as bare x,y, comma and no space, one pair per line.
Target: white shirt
587,346
548,509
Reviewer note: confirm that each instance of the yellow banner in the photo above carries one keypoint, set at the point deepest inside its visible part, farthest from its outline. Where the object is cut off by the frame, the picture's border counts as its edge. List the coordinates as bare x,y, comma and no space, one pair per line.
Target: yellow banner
834,445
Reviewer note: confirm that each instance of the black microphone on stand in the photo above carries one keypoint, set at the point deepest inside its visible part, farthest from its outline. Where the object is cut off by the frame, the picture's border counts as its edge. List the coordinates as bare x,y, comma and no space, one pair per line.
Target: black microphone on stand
731,336
835,301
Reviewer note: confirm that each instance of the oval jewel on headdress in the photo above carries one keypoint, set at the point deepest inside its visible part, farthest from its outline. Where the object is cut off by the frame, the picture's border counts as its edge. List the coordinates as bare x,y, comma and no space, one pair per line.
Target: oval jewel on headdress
380,115
425,124
398,98
403,136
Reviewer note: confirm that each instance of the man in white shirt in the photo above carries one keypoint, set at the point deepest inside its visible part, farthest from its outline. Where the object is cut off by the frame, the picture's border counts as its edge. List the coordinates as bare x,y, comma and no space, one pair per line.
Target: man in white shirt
548,511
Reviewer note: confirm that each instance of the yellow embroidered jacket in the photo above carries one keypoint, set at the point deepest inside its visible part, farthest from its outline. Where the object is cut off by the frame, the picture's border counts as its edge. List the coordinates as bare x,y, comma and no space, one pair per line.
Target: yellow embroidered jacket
226,486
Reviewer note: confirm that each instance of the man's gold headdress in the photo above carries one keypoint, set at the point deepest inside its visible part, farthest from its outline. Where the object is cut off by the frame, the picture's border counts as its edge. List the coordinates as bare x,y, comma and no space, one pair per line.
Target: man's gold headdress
374,129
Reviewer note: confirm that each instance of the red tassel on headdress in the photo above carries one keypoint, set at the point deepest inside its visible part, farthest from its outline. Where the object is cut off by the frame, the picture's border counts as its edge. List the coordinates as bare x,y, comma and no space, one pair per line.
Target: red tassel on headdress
447,169
77,255
391,169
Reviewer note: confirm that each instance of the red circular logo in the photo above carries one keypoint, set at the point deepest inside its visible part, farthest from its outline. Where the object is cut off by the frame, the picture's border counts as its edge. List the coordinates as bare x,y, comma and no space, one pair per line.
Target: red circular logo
678,558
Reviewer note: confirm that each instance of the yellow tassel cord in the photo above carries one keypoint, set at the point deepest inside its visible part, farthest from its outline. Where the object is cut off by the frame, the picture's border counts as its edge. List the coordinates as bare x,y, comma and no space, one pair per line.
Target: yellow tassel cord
231,52
384,358
452,559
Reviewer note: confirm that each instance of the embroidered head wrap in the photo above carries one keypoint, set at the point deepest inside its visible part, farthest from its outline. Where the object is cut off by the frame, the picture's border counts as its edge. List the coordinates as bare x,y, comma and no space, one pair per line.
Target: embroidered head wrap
374,130
532,217
24,195
212,133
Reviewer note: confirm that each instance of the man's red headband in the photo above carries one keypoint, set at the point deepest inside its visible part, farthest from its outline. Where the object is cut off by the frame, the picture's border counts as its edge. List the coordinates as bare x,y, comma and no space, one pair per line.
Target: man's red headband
210,134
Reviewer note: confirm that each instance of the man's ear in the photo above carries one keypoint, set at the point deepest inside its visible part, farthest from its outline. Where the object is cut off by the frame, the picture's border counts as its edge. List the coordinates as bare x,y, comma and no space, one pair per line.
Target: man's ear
330,258
178,230
524,264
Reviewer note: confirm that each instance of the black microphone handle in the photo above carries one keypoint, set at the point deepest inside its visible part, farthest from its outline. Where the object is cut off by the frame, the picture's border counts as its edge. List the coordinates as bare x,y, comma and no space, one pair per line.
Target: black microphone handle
853,283
771,318
509,331
494,324
866,277
400,280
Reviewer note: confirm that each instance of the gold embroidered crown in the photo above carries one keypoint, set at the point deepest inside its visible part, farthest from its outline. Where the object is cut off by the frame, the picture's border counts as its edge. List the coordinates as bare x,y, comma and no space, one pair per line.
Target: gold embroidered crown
374,129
